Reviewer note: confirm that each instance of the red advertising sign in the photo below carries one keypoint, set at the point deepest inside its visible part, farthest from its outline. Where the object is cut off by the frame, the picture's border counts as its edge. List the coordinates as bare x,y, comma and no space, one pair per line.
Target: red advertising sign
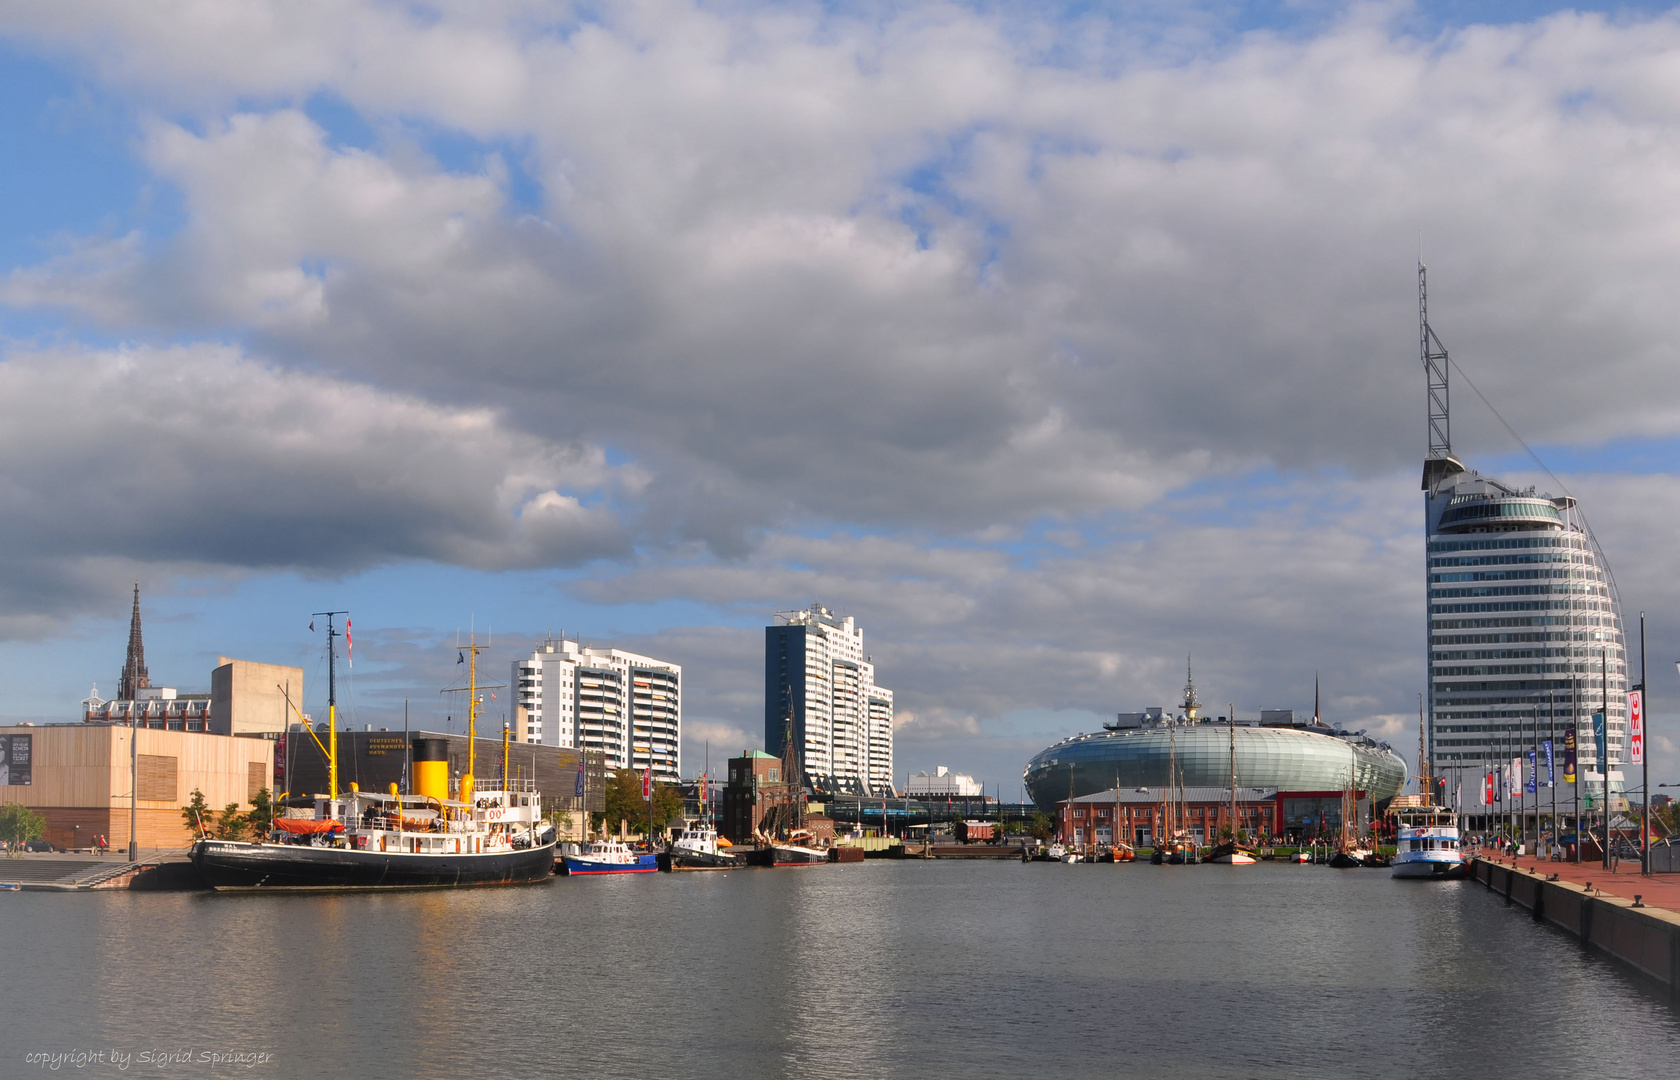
1636,727
647,783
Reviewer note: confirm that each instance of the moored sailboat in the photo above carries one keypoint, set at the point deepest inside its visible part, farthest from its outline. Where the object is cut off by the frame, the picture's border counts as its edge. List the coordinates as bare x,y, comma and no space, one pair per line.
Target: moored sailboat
1233,852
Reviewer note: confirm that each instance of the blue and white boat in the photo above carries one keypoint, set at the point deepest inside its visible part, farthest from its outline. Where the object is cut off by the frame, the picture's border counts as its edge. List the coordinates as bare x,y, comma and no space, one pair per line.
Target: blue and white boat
610,857
1427,843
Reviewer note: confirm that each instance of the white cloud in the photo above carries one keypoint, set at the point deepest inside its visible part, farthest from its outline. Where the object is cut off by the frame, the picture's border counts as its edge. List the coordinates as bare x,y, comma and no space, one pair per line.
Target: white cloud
197,458
870,303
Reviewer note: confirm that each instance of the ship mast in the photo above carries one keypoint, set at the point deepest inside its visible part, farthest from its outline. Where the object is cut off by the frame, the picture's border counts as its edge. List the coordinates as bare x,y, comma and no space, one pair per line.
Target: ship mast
471,650
1425,781
332,704
1232,717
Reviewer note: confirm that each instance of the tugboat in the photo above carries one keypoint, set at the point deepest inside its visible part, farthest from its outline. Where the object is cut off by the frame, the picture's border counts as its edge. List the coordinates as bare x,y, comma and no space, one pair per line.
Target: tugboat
491,834
699,847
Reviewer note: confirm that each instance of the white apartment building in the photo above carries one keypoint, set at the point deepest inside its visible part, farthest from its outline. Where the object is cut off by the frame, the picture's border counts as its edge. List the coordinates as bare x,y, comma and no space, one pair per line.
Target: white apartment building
623,704
819,681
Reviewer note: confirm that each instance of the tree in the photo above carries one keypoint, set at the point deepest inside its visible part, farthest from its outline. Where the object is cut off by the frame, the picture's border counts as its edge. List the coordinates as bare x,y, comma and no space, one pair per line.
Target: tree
667,804
197,816
231,824
1041,826
19,824
624,802
261,817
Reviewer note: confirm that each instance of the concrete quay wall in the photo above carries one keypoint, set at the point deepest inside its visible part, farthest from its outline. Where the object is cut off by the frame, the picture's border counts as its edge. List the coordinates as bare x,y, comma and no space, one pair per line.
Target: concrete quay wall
1645,938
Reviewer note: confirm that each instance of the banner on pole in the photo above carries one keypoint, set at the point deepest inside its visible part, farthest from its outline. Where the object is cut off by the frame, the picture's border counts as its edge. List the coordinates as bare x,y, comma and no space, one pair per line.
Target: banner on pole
1487,789
1600,742
1533,780
1551,775
647,783
1636,727
1569,756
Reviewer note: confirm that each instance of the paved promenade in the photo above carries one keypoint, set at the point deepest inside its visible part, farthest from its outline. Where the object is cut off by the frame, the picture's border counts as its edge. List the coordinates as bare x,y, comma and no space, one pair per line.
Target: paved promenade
1658,890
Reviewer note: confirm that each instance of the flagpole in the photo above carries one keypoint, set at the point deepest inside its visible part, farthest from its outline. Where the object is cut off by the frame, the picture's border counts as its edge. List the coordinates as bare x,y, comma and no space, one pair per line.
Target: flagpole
1604,751
1644,759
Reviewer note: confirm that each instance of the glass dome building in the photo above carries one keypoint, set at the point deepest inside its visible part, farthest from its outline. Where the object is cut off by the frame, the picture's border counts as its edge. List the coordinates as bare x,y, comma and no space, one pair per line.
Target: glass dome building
1283,755
1286,758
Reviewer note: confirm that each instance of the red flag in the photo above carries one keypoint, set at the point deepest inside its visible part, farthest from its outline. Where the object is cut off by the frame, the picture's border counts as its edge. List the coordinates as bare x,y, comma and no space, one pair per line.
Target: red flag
349,645
647,783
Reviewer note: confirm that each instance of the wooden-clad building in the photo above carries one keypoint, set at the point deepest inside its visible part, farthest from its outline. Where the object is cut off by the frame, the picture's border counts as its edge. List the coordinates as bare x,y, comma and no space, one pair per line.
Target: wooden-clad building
77,777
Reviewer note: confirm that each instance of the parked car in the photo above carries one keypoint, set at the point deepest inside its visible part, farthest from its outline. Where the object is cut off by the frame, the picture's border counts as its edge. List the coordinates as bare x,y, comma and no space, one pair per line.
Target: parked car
39,845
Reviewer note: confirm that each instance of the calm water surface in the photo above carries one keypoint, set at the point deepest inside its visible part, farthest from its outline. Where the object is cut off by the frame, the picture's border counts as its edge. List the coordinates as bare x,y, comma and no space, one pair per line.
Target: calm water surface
884,969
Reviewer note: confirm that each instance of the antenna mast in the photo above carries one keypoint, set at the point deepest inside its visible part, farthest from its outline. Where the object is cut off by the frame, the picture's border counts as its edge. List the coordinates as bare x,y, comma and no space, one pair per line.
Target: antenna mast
1440,461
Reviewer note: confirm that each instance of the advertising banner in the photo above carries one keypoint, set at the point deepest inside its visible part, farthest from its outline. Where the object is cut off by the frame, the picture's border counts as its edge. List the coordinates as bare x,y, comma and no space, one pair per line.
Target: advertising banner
1551,776
1487,789
1600,737
1569,756
1533,779
16,755
1636,727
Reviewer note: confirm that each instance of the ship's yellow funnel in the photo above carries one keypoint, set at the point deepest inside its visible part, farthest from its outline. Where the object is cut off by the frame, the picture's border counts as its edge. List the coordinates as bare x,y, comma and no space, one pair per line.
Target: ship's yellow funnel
431,768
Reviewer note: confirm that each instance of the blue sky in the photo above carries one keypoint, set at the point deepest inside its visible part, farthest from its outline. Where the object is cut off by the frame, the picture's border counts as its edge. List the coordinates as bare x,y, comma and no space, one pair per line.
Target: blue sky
1052,343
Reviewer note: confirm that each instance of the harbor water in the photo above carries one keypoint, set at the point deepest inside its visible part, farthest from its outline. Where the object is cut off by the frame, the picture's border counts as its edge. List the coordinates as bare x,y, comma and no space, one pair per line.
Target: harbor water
880,969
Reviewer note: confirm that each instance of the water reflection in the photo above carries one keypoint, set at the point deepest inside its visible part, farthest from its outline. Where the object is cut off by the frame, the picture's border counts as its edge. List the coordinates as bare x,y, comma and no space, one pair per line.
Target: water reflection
876,970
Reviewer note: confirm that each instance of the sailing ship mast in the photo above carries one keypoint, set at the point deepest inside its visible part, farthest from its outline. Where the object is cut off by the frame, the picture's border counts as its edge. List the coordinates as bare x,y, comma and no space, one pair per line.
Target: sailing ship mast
1426,782
1232,717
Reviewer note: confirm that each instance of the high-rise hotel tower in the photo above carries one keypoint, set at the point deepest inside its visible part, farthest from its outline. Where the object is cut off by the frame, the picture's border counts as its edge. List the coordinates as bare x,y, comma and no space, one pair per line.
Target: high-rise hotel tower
1523,616
820,682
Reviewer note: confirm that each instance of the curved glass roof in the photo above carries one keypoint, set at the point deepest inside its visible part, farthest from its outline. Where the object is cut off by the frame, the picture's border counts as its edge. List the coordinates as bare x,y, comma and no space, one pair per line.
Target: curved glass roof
1285,758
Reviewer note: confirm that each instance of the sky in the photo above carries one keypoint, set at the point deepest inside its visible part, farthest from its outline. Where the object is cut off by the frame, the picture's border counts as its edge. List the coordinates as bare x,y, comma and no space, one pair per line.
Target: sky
1056,343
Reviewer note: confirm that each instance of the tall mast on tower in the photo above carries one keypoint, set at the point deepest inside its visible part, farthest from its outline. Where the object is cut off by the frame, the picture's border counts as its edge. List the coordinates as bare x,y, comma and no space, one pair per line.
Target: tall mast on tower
1440,461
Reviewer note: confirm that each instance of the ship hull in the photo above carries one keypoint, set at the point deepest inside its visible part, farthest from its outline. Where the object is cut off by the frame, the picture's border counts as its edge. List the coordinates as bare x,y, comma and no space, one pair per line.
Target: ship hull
1438,869
700,860
583,866
226,865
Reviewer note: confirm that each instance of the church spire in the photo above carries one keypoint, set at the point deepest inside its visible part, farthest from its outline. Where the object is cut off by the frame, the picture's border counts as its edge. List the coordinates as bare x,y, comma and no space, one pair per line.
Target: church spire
134,675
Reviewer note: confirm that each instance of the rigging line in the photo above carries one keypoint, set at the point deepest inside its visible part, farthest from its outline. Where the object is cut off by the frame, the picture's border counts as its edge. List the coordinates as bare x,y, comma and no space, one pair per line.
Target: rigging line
1586,526
1508,428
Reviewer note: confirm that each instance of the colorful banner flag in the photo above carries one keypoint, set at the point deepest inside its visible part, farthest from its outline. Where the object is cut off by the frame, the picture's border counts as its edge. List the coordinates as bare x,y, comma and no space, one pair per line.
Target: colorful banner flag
1569,756
1551,775
1636,727
579,791
647,783
1600,742
1533,780
349,645
1487,789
